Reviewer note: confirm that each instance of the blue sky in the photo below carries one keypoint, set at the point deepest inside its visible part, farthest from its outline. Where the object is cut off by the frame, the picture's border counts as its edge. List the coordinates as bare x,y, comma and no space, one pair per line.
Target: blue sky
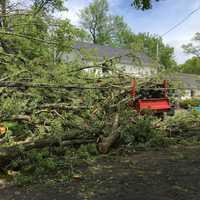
163,16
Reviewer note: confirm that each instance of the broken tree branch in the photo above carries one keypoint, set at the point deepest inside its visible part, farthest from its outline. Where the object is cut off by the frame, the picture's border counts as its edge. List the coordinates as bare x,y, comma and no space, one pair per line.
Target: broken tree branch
26,37
45,85
62,106
104,143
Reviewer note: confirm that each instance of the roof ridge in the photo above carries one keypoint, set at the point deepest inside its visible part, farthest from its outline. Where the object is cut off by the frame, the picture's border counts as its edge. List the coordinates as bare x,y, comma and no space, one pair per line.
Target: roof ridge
101,45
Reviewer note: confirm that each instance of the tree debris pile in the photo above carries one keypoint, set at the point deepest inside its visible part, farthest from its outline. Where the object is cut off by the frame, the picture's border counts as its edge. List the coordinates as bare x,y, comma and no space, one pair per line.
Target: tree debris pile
86,108
97,113
183,124
54,104
38,111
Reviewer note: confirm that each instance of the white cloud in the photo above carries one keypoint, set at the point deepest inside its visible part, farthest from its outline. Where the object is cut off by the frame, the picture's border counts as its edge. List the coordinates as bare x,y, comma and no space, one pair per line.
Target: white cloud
183,35
180,56
74,6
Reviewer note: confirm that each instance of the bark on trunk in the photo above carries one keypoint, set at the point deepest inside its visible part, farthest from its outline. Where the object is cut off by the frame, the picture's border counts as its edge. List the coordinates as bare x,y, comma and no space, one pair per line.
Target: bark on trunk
104,143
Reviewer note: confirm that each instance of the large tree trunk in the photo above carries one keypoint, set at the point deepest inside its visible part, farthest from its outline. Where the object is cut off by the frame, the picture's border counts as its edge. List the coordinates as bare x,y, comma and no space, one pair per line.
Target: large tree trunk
104,143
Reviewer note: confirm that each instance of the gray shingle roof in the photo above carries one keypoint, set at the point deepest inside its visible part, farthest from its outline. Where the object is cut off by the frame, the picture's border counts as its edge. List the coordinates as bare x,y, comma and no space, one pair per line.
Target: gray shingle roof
188,80
103,52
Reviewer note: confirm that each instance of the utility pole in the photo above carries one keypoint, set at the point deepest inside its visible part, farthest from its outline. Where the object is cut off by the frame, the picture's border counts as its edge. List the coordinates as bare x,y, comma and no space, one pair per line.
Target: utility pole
157,51
157,55
2,17
3,13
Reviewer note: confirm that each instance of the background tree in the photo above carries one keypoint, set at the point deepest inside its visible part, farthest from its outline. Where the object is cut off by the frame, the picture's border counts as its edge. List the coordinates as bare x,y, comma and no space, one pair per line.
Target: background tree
147,43
193,48
120,32
95,19
31,40
103,27
191,66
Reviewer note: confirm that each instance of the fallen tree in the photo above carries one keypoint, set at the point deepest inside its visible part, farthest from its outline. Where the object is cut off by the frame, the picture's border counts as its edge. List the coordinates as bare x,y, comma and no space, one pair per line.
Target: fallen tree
48,102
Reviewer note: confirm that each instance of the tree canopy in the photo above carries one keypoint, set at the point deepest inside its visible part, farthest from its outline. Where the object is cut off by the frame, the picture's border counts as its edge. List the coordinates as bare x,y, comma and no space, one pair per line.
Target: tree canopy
191,66
143,4
94,19
147,43
103,27
193,48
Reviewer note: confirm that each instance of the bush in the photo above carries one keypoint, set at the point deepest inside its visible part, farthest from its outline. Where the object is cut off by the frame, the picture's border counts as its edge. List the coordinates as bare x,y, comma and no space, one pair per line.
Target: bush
22,180
36,162
182,122
160,141
140,132
189,103
87,151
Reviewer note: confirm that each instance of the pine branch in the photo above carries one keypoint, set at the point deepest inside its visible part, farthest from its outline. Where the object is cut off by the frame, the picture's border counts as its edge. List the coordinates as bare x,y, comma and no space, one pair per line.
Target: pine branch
26,37
45,85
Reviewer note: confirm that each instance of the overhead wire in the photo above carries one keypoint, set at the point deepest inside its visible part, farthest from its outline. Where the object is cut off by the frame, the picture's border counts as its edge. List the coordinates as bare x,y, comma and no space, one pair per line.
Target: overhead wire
182,21
175,26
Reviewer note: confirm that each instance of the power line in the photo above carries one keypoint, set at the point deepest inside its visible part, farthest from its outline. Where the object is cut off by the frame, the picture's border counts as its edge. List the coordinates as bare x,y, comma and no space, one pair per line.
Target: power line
181,22
175,26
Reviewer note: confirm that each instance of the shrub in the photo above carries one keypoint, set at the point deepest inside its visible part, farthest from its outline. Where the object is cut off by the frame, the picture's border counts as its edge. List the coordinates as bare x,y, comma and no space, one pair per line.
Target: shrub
22,180
140,132
189,103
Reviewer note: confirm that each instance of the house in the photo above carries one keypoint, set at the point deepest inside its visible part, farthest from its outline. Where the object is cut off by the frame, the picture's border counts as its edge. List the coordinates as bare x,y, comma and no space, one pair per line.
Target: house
137,64
188,84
